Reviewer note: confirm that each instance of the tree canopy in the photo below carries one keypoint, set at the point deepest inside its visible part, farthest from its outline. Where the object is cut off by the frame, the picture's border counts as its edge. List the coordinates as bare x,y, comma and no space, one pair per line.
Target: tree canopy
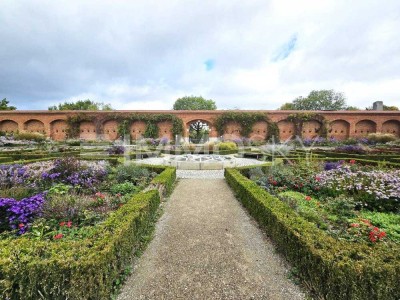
318,100
82,105
194,103
4,105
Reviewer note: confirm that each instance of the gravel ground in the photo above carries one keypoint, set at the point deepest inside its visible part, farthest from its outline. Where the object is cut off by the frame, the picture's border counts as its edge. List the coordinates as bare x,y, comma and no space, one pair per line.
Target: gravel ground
206,247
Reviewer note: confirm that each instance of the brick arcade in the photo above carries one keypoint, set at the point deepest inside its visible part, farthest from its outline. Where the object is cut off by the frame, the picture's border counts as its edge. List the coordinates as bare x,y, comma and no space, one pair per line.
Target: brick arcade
341,124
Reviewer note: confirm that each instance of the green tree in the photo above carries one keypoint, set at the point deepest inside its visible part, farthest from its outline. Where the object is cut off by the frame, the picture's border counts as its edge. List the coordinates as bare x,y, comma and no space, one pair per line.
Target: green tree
194,103
318,100
386,107
352,108
4,105
82,105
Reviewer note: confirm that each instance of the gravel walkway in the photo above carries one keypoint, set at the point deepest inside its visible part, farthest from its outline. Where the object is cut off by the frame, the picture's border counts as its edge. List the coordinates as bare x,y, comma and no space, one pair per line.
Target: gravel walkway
207,247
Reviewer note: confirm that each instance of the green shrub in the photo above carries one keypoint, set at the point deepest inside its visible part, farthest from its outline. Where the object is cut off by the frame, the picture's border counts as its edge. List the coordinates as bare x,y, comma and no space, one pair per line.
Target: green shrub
30,136
381,137
334,269
132,173
79,269
124,188
226,146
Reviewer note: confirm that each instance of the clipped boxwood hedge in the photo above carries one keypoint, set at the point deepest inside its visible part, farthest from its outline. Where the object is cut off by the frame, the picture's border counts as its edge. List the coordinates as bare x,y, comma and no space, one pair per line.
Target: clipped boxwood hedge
81,269
335,269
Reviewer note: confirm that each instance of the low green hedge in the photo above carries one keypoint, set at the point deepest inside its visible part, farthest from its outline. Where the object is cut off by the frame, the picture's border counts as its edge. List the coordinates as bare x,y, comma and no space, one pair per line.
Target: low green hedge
335,269
81,269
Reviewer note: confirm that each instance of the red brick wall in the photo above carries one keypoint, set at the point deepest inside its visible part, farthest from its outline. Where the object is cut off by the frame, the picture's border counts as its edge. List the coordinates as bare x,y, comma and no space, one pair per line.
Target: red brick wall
343,124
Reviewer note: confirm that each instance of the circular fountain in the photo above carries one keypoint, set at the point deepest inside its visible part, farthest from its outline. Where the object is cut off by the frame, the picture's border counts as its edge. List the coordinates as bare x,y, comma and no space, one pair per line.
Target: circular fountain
200,161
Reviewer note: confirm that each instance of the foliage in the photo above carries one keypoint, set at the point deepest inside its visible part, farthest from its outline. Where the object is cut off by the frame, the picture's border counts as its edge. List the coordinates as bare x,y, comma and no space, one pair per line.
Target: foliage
226,146
74,122
330,267
351,149
17,214
375,190
318,100
194,103
116,150
246,120
30,136
381,137
82,105
4,105
151,121
124,188
298,120
132,173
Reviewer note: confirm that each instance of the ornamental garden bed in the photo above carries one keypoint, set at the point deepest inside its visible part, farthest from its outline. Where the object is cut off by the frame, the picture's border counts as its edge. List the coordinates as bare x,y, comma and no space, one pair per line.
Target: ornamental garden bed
68,227
337,222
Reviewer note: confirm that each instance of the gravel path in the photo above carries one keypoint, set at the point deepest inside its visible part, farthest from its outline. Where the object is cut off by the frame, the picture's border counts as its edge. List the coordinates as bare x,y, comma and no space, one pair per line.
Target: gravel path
207,247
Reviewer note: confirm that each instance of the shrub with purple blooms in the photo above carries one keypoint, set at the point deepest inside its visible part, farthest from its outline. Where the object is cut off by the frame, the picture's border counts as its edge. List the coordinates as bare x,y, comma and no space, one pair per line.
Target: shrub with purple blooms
64,197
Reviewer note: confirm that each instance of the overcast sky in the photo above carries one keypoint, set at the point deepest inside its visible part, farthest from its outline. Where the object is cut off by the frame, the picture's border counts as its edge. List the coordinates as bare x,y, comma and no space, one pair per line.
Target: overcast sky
242,54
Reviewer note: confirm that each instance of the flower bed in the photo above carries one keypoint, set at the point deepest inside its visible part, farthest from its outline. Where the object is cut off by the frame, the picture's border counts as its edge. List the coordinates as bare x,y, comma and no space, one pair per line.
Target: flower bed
70,234
345,204
335,268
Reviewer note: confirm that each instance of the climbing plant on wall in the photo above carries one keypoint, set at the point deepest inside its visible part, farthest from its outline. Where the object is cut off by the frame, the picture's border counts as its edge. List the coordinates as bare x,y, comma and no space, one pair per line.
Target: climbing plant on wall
298,120
151,121
246,120
74,122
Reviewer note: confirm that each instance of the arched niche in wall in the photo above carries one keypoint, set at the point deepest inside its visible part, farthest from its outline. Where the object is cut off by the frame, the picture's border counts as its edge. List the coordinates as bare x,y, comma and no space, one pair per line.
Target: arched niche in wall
137,129
286,130
87,130
34,126
165,130
110,130
364,127
339,129
311,129
259,131
392,127
8,126
58,130
232,131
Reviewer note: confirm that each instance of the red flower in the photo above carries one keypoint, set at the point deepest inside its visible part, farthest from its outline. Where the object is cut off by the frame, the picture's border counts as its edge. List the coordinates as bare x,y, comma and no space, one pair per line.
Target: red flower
58,236
62,224
69,224
21,225
307,198
274,182
352,161
354,225
317,178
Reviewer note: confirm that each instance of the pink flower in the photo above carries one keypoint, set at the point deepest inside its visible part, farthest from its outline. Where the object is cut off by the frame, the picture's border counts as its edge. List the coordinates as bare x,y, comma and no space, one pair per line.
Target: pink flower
69,224
307,198
58,236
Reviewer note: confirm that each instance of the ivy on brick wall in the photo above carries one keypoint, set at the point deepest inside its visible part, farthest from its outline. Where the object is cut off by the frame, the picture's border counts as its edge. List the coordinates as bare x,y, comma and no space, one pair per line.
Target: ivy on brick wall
298,120
246,120
151,121
74,122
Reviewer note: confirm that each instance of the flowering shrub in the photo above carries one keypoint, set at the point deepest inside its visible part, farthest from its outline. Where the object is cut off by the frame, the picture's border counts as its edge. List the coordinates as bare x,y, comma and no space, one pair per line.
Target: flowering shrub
376,189
351,149
116,150
18,214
